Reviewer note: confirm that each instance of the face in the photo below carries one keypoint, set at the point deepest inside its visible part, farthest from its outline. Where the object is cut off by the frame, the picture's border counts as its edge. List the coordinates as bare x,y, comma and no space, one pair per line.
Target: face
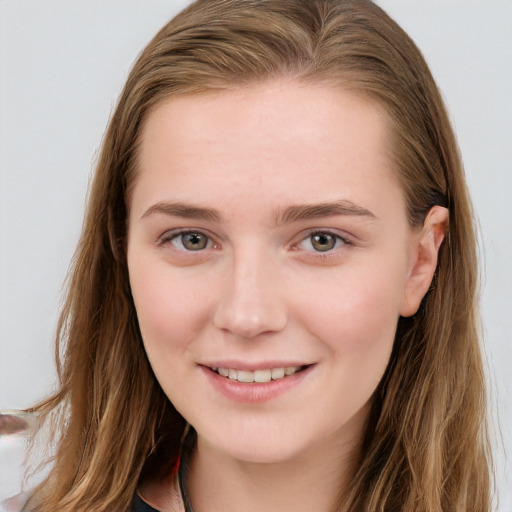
269,256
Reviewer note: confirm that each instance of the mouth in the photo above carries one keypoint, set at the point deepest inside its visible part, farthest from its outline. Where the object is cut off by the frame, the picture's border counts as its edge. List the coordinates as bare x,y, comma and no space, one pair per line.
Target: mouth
259,376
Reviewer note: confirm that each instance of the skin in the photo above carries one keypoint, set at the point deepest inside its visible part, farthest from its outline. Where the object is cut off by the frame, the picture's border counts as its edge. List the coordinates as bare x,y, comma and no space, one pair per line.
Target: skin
261,293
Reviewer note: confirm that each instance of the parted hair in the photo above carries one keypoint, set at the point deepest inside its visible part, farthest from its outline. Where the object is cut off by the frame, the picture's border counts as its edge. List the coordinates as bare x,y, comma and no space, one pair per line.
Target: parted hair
425,447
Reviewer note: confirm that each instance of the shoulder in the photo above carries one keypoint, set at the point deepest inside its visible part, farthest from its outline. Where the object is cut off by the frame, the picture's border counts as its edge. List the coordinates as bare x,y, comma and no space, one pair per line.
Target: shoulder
15,503
139,505
159,495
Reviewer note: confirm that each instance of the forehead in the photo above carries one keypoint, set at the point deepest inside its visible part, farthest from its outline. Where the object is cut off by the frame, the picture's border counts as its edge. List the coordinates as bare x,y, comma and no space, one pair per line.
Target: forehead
301,143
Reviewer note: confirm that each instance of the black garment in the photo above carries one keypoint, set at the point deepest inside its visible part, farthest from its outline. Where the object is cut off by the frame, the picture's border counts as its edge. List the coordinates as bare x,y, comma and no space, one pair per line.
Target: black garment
139,505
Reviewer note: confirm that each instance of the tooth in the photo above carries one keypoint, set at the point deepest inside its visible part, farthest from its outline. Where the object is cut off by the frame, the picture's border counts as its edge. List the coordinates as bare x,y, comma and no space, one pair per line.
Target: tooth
245,376
277,373
262,376
257,376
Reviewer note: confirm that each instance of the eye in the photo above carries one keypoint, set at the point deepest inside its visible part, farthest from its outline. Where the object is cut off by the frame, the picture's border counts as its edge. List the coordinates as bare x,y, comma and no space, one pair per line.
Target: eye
321,241
188,240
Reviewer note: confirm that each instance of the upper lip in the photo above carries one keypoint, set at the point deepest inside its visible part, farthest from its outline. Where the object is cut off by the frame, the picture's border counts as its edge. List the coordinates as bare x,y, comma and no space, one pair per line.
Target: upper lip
253,366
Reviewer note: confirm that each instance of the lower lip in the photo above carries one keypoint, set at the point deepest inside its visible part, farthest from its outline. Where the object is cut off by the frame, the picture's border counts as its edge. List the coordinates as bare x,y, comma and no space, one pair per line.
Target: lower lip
254,392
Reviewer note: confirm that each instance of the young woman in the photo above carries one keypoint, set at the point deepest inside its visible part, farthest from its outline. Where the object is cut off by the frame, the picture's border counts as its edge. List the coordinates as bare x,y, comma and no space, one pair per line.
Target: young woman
272,305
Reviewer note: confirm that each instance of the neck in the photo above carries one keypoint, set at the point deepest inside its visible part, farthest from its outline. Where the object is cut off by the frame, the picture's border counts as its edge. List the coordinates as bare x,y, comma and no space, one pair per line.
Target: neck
311,481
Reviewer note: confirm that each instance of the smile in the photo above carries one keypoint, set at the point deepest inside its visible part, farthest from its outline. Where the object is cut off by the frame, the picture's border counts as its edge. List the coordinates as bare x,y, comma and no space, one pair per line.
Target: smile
260,376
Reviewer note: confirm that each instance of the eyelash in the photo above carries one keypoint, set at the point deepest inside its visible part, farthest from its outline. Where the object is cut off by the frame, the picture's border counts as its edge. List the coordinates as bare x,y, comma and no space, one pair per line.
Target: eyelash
169,236
340,241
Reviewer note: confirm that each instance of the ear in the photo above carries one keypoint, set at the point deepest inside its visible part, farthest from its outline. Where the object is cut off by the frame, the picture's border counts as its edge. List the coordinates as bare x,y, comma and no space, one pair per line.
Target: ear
424,259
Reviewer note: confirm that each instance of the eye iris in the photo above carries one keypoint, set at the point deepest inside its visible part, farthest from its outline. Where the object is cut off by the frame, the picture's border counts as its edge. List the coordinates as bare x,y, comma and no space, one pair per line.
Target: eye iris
194,241
323,241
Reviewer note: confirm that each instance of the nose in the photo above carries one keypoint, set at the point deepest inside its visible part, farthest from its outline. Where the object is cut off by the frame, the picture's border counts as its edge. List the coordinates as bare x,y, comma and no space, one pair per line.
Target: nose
252,299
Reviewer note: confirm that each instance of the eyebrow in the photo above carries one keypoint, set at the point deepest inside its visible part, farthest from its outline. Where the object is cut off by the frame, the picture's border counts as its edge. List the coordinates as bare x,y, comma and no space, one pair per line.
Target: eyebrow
294,213
297,213
184,210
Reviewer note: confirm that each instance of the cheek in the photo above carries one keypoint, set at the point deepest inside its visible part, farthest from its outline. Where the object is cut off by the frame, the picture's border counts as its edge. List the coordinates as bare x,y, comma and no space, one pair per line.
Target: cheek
357,314
360,323
359,336
169,311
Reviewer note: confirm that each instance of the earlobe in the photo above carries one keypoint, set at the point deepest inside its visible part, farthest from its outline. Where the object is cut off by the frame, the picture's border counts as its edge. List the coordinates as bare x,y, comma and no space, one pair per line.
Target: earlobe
424,259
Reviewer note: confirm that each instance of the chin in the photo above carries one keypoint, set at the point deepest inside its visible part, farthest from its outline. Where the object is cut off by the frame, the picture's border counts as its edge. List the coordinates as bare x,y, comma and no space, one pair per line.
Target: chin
260,445
262,453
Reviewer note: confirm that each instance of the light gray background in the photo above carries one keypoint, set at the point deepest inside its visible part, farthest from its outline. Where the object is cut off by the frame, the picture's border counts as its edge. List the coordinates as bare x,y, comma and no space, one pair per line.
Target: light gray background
62,65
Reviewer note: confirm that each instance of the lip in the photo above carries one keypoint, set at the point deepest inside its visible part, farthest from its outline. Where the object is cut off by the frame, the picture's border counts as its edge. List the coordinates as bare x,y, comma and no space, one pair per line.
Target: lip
254,392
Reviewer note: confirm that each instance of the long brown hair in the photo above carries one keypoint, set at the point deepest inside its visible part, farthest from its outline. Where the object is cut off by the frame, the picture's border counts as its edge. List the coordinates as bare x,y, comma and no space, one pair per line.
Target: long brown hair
425,448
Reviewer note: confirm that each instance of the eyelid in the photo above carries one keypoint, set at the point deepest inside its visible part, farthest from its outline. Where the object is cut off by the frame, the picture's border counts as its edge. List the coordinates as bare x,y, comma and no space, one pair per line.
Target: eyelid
167,236
346,240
